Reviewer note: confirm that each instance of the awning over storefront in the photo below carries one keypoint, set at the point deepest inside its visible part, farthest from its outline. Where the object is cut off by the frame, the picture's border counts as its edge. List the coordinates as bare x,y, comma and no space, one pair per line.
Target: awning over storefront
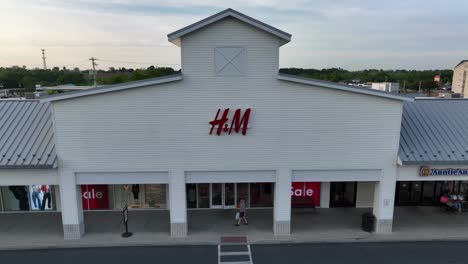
27,135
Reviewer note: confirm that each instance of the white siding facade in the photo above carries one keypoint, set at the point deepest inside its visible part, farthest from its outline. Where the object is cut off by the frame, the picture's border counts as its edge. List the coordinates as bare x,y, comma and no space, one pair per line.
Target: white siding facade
164,128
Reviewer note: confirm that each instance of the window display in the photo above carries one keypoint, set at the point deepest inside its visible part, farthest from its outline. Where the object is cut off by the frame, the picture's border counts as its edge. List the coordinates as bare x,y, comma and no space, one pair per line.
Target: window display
155,196
15,198
305,194
38,197
137,196
95,197
41,197
123,196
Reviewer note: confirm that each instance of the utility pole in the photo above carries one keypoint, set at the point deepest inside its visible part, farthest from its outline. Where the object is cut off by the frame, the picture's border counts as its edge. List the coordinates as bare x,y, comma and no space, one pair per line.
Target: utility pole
93,61
419,86
44,59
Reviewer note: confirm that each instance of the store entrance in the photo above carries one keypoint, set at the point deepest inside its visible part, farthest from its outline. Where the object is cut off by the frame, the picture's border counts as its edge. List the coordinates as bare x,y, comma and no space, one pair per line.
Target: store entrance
343,194
226,195
223,195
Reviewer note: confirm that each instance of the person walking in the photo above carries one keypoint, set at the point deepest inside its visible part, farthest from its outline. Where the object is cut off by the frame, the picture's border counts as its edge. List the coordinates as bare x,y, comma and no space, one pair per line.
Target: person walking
242,212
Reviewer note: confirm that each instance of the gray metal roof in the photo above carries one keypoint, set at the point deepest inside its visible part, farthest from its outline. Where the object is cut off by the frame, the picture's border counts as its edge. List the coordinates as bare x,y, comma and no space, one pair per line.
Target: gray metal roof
434,132
113,88
26,135
341,87
174,36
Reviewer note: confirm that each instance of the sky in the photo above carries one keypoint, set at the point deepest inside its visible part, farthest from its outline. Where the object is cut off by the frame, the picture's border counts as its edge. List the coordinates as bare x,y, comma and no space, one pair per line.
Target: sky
350,34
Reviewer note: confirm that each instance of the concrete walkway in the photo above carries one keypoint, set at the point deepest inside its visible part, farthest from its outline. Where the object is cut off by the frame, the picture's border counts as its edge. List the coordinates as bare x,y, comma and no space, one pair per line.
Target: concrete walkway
43,229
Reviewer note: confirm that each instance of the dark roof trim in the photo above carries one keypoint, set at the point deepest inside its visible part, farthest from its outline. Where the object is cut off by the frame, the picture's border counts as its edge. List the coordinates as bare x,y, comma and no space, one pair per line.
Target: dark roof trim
113,88
174,36
461,62
29,167
427,163
341,87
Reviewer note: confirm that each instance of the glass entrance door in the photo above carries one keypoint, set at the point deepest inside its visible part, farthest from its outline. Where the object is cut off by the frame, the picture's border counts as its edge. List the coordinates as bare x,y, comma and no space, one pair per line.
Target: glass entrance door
229,195
223,195
216,194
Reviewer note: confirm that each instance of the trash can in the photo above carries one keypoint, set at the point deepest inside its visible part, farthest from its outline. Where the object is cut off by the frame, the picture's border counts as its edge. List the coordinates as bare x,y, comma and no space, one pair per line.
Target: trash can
368,222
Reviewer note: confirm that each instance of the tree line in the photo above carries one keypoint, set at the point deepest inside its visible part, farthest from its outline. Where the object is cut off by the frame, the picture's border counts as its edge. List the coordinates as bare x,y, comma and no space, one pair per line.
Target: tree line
410,79
21,77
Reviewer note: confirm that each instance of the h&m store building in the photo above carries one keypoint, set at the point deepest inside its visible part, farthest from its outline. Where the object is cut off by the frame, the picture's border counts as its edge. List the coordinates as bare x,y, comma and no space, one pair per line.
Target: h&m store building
228,126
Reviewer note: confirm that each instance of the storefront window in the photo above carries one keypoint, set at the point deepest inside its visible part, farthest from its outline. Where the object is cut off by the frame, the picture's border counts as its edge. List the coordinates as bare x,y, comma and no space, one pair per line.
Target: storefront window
261,194
27,198
41,197
15,198
123,196
155,196
191,190
116,197
96,197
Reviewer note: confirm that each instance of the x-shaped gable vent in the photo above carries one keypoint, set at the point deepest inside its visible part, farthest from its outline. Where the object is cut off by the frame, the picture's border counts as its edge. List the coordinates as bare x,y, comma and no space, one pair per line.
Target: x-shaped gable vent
230,61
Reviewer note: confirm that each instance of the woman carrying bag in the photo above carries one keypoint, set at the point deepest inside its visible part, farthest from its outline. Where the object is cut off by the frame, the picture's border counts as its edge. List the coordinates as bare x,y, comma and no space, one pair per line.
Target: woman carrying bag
241,213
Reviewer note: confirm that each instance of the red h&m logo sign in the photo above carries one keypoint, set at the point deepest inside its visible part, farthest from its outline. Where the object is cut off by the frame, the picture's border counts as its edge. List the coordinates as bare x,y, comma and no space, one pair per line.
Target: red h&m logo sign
238,122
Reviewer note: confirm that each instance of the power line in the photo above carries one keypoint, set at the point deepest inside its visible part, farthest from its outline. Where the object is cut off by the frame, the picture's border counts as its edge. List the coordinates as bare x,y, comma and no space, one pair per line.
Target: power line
134,62
76,63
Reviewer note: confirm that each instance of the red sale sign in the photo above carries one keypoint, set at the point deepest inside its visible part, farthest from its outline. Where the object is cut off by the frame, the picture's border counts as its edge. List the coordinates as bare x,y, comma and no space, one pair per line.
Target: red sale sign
305,194
94,197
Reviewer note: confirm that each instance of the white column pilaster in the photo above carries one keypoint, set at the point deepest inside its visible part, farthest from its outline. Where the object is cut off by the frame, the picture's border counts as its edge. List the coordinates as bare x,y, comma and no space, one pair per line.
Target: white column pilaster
72,209
282,206
384,200
177,203
325,195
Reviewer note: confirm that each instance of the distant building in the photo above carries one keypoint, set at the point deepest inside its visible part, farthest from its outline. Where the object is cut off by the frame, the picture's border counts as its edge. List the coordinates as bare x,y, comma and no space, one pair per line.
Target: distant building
437,78
386,87
459,84
12,93
63,88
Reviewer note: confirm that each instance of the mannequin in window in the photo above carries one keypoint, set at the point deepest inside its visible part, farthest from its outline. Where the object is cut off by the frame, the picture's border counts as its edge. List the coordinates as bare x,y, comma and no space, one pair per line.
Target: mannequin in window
46,191
20,193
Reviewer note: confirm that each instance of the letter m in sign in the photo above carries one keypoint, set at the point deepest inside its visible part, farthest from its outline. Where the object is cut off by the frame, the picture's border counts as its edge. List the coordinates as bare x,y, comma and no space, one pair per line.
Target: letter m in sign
239,122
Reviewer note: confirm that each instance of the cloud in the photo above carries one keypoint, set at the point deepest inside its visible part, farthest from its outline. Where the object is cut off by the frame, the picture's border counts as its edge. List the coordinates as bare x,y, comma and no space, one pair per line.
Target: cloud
355,33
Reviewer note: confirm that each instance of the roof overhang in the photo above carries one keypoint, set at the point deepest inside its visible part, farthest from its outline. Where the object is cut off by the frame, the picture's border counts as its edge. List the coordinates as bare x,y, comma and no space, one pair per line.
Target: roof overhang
113,88
336,86
175,36
436,163
30,167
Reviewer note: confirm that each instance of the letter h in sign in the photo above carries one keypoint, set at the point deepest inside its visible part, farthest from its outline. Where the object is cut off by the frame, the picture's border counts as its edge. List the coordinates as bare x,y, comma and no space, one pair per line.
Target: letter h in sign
237,122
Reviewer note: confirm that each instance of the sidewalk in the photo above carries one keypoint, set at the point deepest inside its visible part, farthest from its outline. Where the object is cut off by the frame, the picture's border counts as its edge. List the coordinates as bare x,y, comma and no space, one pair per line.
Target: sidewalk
43,230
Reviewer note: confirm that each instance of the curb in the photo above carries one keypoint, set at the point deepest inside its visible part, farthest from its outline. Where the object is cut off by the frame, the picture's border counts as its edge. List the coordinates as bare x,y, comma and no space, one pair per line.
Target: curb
83,245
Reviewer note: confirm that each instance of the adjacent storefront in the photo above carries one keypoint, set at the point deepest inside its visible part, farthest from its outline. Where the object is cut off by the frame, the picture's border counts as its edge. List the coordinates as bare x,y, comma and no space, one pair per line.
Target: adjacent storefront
424,185
427,193
40,197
